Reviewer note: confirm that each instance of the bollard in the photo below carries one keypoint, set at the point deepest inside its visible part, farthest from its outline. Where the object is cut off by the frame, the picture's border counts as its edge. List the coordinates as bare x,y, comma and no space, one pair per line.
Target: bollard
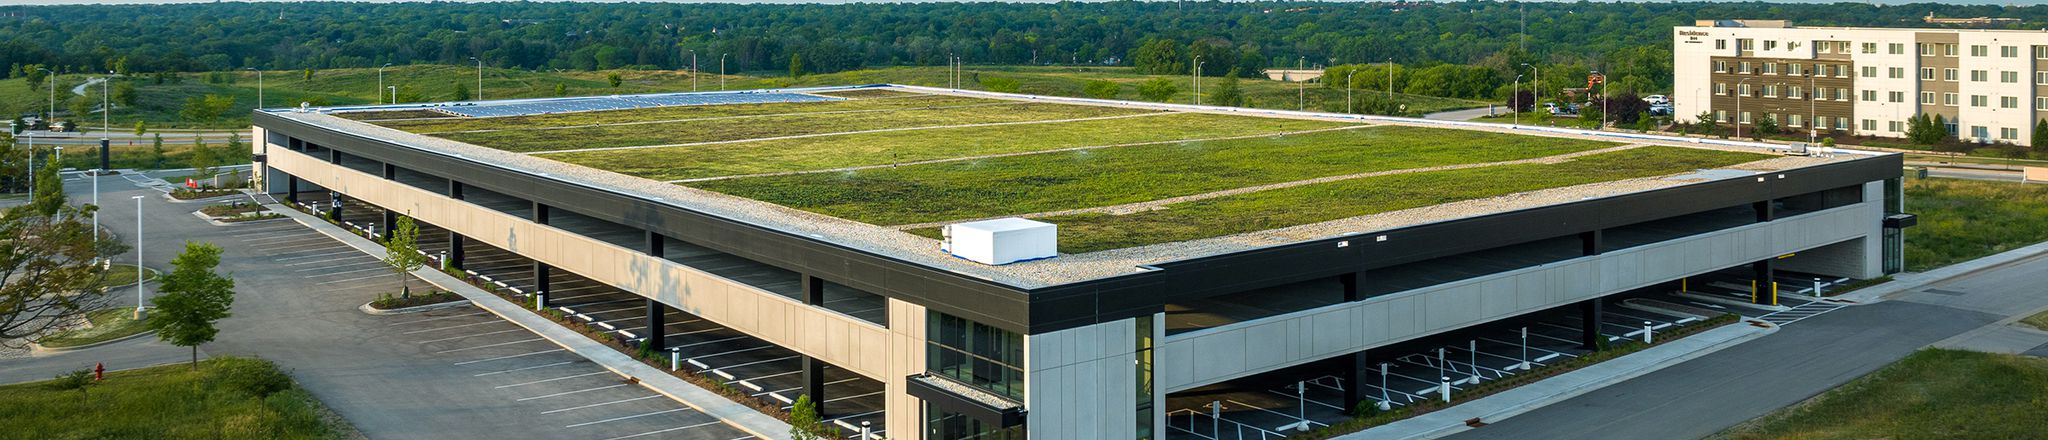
865,433
1445,387
1646,332
538,299
1525,349
444,260
675,361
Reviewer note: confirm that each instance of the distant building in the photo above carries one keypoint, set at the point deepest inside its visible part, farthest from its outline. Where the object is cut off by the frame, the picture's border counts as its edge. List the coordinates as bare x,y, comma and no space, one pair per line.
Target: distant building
1988,85
1979,21
1297,75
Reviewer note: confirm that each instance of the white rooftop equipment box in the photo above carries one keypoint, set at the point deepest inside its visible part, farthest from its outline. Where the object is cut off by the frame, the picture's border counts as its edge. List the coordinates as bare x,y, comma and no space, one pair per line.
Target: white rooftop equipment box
1001,241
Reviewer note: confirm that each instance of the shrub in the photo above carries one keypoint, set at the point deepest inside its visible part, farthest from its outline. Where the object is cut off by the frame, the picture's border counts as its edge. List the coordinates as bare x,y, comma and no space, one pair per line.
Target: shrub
255,378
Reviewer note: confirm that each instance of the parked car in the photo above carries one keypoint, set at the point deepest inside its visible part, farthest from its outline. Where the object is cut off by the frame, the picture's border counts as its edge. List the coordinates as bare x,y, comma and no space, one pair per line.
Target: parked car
1657,99
1563,110
1660,109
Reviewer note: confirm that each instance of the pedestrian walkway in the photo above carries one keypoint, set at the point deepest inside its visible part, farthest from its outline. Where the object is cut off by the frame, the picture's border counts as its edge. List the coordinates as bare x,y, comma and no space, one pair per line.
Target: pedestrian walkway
740,416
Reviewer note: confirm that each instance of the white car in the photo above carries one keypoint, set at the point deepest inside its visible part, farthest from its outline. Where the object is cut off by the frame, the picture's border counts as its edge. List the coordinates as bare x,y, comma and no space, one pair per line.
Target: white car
1657,99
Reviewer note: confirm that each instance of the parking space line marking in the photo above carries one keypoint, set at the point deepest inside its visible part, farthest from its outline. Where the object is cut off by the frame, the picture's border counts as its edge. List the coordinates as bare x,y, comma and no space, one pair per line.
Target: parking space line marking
594,405
565,393
345,272
350,279
759,362
678,428
438,318
494,321
784,390
471,336
557,364
707,342
314,269
319,243
614,419
500,344
785,373
302,257
743,350
500,387
499,358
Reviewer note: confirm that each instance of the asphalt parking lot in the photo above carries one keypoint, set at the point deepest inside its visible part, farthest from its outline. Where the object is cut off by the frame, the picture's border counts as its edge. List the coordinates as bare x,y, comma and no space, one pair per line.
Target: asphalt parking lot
755,366
533,384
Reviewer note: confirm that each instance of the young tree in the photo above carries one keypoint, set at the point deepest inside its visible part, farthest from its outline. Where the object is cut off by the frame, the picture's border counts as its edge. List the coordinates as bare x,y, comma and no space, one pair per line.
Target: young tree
140,128
1767,125
612,78
1101,89
82,105
156,150
461,91
2041,136
307,75
48,273
207,108
563,89
803,419
401,252
1157,89
193,298
124,93
796,65
1706,123
203,157
1227,94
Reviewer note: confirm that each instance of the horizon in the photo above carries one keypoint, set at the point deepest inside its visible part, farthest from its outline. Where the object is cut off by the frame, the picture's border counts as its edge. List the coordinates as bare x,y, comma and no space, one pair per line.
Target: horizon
798,2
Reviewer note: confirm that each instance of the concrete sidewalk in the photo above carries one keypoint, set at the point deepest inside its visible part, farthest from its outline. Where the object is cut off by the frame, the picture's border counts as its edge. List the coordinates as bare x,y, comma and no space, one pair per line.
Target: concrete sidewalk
1505,404
1905,282
733,413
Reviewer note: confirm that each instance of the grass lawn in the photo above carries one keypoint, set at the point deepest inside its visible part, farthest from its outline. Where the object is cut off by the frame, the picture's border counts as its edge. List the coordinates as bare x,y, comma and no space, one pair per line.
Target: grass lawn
227,398
107,325
686,112
1934,393
124,274
828,152
775,126
1536,118
1306,204
1966,219
1069,81
1090,178
2039,320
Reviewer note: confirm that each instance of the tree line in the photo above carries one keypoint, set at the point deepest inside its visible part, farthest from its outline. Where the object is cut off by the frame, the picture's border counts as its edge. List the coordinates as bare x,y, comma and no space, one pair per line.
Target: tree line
1161,36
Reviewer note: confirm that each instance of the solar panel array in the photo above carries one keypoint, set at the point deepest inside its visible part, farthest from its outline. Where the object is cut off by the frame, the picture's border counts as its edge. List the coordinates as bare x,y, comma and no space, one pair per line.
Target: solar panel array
541,107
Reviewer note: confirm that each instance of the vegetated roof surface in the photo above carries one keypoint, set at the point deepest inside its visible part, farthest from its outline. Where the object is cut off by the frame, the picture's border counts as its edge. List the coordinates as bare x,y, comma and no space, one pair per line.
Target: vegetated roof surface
1127,184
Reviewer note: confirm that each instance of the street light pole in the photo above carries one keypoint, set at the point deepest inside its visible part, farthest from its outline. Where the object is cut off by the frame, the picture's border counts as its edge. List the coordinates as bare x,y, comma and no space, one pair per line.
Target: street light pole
48,120
693,70
259,84
1301,98
138,257
1603,101
479,78
721,71
1812,116
1390,81
394,93
1517,94
1195,80
1347,91
1535,83
380,81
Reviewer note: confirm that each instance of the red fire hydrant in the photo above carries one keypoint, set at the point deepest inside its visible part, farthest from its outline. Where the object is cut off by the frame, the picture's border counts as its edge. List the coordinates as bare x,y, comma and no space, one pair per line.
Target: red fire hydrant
99,371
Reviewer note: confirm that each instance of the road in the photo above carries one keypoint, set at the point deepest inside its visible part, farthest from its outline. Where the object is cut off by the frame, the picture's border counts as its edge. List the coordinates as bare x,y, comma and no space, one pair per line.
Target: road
1709,394
128,138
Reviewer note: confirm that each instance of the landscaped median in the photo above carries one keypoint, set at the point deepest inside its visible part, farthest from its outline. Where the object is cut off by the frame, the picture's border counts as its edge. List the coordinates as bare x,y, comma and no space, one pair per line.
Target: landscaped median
100,326
236,398
1367,416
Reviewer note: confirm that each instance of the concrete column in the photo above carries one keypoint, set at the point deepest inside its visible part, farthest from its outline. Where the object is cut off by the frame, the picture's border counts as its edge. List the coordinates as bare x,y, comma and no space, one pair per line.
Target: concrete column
540,281
390,172
654,244
1350,283
1589,337
390,222
656,322
540,213
1358,370
813,291
455,245
291,193
454,189
333,156
1762,272
1764,211
814,383
1592,242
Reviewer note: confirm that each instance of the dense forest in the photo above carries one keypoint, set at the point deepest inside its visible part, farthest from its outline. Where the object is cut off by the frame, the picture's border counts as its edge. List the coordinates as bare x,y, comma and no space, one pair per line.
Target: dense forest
765,37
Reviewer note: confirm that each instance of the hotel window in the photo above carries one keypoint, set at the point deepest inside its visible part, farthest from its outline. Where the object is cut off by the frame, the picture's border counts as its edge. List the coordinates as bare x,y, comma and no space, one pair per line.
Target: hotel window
1795,69
1793,121
1927,49
1948,74
1745,44
2009,77
1720,88
1980,75
1820,122
1842,47
2009,102
1771,91
1842,94
1898,49
1770,44
1745,68
1870,125
1979,50
1897,72
1927,73
2041,77
1896,126
1869,71
1721,116
2041,103
2008,133
1842,124
1795,93
1927,98
2040,51
1870,96
1869,47
1720,66
1948,99
1979,101
1897,97
1742,89
1949,49
2009,51
1720,44
1770,68
1978,131
1745,118
1841,71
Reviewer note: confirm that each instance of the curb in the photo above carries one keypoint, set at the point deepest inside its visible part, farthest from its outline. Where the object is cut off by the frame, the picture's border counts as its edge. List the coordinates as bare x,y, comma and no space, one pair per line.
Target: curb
1389,431
1910,281
39,348
414,309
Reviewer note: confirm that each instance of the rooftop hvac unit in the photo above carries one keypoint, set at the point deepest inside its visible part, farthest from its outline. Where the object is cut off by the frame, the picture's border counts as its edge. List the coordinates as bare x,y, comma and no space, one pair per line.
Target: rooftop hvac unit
1001,241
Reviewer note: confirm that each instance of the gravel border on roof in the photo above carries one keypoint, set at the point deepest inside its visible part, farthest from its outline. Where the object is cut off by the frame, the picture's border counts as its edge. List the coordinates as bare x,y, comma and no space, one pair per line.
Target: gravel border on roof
1068,268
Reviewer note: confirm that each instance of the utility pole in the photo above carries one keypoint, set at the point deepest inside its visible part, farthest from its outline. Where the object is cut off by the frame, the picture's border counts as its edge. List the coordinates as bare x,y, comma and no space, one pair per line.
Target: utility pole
1390,81
1348,102
479,78
380,80
721,71
1195,80
1301,98
693,70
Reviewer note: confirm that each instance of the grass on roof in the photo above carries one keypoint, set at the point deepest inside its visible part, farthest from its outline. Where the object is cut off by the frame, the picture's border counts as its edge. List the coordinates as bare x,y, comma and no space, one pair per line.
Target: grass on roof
676,113
866,149
382,115
1102,177
729,129
1307,204
868,93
